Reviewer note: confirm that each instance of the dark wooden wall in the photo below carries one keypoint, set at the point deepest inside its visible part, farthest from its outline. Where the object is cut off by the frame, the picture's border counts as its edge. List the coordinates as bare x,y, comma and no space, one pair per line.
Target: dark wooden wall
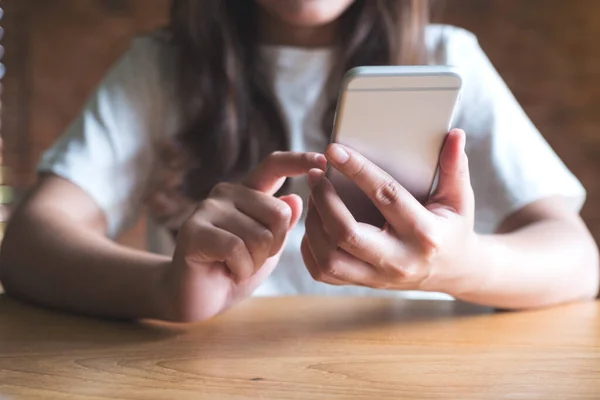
56,52
65,47
546,50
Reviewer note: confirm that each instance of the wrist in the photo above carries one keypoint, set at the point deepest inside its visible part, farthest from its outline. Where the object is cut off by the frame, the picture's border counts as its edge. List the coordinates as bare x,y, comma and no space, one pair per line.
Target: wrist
458,271
478,266
185,296
159,299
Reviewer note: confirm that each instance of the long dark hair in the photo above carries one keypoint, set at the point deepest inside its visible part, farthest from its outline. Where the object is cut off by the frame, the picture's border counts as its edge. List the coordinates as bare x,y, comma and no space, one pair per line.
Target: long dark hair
231,118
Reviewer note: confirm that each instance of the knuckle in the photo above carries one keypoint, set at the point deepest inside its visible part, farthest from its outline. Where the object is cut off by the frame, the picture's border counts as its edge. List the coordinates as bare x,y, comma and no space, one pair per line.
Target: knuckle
331,268
387,193
264,238
359,166
328,268
222,189
282,214
348,238
307,158
194,224
313,273
324,261
429,242
406,273
316,275
190,230
236,246
385,265
210,205
396,275
319,276
393,272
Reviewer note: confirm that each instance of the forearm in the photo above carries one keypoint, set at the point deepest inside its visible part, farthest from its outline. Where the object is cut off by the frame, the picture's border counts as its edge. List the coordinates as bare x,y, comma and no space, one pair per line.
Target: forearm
53,262
545,263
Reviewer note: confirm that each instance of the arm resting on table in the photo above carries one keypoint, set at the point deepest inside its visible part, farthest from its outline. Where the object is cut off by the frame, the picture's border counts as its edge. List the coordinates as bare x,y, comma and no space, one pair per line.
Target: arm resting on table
55,253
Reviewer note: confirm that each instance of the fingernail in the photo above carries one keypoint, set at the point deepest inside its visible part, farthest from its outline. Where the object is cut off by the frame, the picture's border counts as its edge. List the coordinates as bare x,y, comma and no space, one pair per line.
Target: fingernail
314,177
322,161
338,154
462,136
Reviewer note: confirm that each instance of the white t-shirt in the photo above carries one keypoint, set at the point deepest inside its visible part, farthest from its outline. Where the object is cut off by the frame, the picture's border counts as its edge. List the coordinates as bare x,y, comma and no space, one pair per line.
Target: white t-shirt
109,150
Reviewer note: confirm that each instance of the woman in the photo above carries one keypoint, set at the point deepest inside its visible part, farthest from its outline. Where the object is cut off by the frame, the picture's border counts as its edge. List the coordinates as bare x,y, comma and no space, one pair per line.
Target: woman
181,123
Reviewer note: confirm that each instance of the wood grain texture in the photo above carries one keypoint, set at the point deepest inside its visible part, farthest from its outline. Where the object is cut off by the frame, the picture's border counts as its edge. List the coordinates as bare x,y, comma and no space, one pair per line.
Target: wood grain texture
307,348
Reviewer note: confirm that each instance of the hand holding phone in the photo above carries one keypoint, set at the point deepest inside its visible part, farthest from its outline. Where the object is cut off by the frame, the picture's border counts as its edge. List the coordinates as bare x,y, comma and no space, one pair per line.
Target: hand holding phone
398,118
420,247
371,220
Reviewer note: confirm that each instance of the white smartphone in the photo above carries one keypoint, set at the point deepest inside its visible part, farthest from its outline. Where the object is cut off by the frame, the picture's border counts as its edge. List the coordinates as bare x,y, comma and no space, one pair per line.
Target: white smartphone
397,117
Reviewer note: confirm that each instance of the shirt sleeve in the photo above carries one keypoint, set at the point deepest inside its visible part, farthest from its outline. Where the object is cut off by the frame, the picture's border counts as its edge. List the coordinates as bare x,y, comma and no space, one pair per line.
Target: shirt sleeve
108,151
510,162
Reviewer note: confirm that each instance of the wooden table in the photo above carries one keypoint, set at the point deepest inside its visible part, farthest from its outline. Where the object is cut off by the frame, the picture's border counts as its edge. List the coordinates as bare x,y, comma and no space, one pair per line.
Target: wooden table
306,348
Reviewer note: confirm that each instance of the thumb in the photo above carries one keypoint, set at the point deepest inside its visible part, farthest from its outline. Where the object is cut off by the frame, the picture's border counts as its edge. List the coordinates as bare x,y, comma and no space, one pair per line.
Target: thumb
454,189
295,203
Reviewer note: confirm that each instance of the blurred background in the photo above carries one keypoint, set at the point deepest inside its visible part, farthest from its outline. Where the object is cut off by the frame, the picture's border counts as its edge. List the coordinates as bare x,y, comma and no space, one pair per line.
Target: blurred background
55,51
